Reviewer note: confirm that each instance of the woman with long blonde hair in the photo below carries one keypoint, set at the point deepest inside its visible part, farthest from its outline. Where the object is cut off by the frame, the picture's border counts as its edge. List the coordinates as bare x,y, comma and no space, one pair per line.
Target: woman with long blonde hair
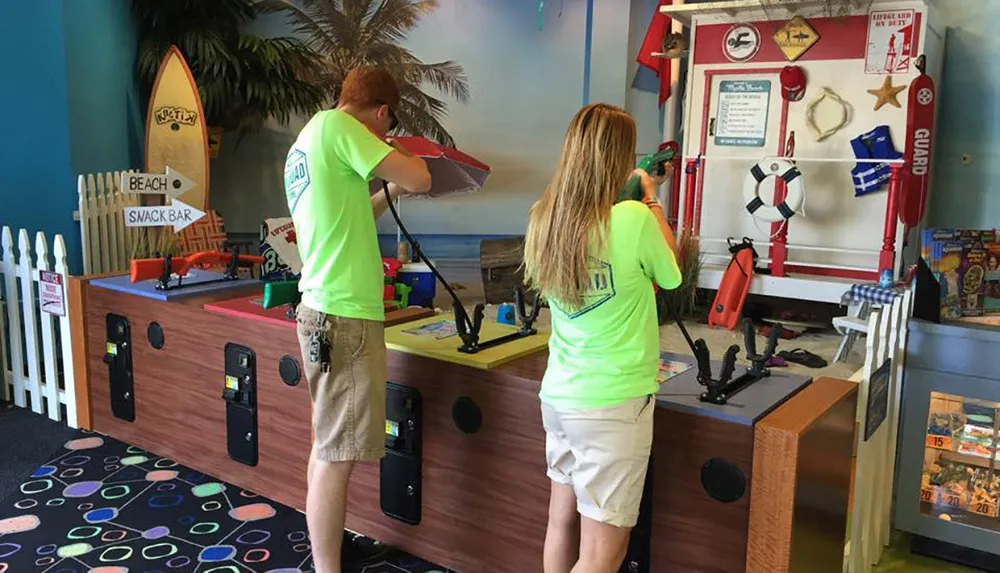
593,260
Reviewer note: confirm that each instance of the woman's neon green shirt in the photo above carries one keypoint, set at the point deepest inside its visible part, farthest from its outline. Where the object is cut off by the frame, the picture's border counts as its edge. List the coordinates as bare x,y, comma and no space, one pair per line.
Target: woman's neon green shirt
607,351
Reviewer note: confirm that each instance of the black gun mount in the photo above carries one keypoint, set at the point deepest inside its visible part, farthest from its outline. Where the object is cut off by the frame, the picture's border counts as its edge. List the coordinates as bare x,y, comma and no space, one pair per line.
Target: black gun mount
721,389
468,330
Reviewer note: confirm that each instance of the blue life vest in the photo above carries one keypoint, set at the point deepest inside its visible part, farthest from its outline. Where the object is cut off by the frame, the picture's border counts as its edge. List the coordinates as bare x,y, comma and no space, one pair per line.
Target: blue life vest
876,144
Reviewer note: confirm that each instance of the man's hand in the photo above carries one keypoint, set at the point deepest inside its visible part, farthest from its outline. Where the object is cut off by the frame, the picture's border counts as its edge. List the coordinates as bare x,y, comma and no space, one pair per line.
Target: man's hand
379,204
394,190
398,146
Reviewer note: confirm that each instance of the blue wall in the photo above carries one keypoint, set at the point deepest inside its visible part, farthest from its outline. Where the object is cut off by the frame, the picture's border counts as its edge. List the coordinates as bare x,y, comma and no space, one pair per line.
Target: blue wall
71,106
968,122
36,175
106,111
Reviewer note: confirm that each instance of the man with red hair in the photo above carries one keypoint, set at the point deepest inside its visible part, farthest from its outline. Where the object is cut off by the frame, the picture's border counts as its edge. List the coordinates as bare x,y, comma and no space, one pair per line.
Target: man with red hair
340,318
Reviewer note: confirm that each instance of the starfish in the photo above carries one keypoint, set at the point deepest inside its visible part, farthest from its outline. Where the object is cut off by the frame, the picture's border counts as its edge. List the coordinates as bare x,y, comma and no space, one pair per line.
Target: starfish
887,94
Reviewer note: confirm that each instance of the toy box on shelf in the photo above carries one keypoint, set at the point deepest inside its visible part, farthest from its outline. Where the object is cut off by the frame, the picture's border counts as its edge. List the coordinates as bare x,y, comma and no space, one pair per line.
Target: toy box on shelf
966,263
788,105
279,248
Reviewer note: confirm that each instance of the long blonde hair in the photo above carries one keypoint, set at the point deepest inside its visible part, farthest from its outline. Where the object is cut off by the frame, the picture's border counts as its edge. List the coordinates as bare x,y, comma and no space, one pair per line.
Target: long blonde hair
568,224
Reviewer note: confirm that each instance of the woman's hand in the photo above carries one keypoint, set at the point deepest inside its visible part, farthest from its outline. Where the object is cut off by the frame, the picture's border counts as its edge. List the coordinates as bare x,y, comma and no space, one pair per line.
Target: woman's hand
650,185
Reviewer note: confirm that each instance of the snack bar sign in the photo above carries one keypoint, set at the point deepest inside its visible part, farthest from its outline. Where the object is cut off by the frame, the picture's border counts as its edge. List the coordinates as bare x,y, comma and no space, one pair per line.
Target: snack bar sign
892,41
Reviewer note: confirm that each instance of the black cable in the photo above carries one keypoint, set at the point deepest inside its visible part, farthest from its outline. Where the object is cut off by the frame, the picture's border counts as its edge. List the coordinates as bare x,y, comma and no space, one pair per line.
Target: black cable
420,254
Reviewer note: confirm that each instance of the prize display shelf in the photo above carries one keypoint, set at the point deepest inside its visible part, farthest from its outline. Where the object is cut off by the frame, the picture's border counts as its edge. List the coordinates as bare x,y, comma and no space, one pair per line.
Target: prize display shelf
961,473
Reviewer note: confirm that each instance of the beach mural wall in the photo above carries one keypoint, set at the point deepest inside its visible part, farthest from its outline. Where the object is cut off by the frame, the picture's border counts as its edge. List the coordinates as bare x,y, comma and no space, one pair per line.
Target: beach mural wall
523,85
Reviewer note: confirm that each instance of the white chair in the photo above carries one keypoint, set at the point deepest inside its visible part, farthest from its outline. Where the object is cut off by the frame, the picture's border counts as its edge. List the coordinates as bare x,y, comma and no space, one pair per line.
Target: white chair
850,327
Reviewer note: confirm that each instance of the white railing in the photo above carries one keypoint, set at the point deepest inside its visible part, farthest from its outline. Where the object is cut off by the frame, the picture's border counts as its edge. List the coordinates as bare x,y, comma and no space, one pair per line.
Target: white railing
107,242
874,476
39,368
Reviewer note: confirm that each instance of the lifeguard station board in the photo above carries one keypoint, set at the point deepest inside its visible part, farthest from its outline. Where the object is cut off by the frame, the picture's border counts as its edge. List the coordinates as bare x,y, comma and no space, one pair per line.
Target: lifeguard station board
436,337
176,134
197,282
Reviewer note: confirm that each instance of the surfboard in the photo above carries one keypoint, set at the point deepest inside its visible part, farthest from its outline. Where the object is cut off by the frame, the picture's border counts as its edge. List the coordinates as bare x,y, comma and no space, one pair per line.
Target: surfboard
176,133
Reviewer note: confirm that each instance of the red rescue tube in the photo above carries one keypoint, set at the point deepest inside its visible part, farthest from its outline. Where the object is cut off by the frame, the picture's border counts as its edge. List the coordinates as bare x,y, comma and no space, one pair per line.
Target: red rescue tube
735,285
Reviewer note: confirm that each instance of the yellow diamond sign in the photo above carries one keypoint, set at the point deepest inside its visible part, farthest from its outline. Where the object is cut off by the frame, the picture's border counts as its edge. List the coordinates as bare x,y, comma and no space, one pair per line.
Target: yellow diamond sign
795,37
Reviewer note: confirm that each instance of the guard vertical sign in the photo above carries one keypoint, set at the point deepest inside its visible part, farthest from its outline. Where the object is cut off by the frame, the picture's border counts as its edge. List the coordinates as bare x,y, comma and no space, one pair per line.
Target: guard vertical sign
892,41
50,293
918,152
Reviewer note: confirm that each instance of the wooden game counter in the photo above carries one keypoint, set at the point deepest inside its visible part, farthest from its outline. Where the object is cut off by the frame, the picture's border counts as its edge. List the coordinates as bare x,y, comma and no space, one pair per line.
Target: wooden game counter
758,485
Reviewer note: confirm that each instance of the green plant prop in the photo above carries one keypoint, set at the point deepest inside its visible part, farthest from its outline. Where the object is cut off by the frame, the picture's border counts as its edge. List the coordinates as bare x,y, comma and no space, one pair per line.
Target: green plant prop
243,79
351,33
682,301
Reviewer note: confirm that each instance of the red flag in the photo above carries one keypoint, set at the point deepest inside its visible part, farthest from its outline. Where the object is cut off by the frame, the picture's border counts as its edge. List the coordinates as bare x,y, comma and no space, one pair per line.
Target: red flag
659,27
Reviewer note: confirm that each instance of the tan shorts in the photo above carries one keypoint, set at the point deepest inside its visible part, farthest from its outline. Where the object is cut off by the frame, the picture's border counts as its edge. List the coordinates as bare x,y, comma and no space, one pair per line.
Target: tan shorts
348,395
603,453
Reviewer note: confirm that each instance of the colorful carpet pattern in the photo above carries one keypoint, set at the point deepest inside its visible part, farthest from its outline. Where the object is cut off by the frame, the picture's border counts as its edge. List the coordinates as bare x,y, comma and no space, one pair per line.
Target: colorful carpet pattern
102,506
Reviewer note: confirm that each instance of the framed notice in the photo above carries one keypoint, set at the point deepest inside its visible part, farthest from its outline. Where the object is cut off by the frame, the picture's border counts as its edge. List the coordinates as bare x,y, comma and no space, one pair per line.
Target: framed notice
892,41
878,399
741,118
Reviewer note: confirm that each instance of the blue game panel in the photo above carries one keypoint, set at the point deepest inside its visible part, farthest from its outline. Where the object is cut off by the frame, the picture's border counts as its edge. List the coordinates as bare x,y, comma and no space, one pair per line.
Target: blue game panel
197,282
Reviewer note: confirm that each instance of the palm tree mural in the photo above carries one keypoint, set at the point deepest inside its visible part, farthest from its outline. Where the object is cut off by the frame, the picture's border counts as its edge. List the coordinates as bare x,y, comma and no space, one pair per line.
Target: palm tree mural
349,33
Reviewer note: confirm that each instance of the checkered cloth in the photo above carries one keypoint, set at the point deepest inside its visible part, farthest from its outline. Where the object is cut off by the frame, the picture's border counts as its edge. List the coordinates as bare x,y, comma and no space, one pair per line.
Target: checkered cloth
870,292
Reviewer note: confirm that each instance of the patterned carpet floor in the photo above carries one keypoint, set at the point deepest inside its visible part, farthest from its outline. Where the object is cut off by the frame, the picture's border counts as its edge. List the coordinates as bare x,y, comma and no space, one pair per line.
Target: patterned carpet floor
103,506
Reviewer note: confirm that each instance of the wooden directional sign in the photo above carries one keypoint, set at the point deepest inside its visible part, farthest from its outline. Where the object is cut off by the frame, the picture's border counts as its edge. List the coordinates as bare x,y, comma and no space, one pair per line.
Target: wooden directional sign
171,183
177,214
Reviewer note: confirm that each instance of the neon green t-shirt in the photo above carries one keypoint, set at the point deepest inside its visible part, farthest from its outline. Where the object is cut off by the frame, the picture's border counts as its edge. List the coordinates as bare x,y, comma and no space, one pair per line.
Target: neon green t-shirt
607,351
326,184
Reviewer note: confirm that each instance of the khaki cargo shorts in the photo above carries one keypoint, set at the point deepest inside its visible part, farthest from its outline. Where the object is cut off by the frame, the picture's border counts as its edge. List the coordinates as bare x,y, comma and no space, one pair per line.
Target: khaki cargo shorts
603,454
348,392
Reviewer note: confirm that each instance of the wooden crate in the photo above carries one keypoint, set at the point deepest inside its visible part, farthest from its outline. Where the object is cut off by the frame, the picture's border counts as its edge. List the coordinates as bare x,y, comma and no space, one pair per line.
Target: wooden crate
500,263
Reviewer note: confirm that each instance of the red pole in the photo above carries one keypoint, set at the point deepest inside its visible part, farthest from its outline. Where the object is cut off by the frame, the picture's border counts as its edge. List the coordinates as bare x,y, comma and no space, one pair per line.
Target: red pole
778,253
675,191
696,228
691,173
779,245
887,258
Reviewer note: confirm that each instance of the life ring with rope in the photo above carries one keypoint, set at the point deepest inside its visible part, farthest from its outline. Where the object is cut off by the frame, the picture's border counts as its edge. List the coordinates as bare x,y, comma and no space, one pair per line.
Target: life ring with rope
794,196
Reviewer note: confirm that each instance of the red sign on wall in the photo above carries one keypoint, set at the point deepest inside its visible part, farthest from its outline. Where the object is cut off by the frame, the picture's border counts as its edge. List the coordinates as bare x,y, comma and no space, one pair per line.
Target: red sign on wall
892,41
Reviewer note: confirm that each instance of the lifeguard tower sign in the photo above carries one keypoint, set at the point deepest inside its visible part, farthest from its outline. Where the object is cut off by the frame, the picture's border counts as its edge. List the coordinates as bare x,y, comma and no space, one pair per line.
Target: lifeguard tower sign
891,42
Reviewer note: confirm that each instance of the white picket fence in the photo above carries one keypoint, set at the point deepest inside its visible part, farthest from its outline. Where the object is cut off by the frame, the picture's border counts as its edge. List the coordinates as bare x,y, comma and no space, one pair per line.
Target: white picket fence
874,476
106,240
39,367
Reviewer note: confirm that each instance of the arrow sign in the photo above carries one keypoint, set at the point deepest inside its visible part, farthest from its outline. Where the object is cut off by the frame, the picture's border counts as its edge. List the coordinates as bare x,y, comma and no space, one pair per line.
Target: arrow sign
177,214
170,183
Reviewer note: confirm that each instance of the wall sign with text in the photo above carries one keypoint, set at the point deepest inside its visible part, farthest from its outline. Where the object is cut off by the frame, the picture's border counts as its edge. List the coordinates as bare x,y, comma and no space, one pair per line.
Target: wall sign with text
741,117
